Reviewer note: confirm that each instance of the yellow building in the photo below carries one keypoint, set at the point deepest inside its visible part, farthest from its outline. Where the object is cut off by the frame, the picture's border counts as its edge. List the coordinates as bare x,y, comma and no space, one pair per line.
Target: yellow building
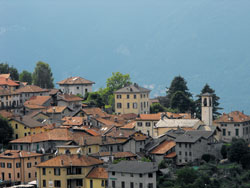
132,99
66,171
97,178
18,166
25,126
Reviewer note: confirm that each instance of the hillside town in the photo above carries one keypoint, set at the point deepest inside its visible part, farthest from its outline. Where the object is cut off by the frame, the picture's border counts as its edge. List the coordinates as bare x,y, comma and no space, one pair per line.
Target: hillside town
59,140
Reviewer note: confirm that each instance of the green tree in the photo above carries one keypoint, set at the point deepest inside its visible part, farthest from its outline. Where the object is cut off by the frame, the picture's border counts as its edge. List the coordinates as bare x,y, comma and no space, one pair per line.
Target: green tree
186,175
224,150
118,81
25,76
237,150
6,69
6,131
42,75
178,84
181,102
156,108
94,99
215,102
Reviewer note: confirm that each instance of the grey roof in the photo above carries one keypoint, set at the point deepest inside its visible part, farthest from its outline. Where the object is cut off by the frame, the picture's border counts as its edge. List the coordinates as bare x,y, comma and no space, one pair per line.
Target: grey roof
133,88
207,94
28,121
193,136
137,167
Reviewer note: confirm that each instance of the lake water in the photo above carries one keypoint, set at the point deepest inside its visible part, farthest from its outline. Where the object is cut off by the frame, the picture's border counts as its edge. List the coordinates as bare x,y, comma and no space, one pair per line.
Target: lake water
205,41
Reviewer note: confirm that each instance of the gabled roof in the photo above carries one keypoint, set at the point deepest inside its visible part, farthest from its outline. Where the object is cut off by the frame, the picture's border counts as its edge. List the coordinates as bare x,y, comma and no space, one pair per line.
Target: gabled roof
98,173
137,167
69,98
27,121
5,76
164,147
8,82
54,134
31,89
13,154
73,121
235,116
37,100
133,88
120,133
130,125
75,81
71,160
193,136
56,109
95,112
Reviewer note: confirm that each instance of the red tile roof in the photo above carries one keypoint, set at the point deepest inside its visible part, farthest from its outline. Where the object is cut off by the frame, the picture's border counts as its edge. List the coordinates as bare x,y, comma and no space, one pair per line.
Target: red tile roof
130,125
163,147
8,82
5,75
235,116
95,112
71,160
171,155
56,109
75,81
31,89
98,173
73,121
69,98
11,154
37,100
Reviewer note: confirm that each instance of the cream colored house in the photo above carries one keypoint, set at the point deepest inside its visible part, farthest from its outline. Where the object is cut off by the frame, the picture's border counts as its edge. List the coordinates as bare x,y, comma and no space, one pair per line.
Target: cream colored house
132,99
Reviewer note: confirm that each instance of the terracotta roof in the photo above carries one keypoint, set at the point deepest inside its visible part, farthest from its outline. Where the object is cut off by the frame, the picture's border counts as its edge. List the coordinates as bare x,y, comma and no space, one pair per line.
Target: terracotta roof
75,81
152,117
235,116
171,155
4,75
56,109
90,131
130,116
11,154
73,121
140,138
6,114
53,91
69,98
124,154
130,125
54,134
71,160
120,133
95,112
164,147
37,100
8,82
31,89
34,106
107,122
98,173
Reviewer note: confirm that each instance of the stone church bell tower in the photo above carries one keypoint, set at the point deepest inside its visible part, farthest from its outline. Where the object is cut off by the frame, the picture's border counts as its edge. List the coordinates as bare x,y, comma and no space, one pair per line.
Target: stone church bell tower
207,109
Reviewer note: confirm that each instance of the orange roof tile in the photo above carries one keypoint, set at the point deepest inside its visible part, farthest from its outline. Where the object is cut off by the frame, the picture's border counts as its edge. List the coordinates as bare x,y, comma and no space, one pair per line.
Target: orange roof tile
73,121
124,154
8,82
120,133
130,125
31,89
5,75
55,109
163,147
69,98
171,155
235,116
75,80
71,160
95,112
98,173
152,117
6,114
18,154
37,100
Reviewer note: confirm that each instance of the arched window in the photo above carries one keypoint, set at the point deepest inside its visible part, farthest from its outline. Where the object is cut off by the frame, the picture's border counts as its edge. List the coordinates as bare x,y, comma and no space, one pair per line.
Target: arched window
205,102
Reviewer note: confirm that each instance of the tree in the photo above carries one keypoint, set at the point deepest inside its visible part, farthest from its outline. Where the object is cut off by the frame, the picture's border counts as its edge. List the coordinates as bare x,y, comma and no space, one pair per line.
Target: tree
6,131
117,81
224,150
178,84
156,108
186,175
95,99
25,76
6,69
215,102
237,150
42,75
181,102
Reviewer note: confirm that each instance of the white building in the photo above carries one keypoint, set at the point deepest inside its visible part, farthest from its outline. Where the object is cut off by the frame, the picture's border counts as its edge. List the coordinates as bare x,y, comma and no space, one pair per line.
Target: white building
75,85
